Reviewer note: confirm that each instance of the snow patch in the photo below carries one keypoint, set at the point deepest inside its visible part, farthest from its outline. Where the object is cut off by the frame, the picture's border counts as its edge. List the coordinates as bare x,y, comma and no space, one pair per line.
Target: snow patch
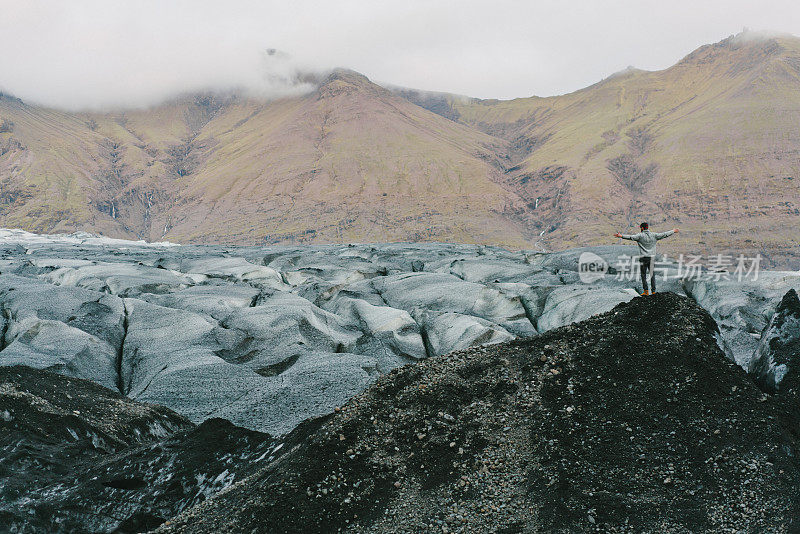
14,235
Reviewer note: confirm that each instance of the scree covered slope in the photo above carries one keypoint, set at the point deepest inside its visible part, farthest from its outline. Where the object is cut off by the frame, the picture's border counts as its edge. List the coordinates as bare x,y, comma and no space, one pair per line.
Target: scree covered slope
630,421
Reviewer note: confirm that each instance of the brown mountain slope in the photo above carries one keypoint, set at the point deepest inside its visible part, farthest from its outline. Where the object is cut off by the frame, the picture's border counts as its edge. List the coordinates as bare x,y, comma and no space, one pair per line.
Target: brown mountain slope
582,429
710,144
350,161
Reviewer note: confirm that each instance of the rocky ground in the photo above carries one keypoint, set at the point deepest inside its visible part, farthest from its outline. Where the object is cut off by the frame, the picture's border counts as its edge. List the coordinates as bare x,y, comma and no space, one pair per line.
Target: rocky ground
632,421
77,457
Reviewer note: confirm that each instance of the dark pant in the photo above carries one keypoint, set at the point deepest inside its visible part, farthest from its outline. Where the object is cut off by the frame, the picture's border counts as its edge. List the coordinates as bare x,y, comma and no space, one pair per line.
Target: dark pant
646,264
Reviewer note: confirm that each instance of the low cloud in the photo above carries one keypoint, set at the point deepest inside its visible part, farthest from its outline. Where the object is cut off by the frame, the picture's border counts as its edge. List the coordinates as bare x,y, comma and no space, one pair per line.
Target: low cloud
92,54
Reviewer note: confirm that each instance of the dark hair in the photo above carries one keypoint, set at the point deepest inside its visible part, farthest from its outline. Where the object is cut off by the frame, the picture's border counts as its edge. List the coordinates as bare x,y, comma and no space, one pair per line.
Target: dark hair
644,226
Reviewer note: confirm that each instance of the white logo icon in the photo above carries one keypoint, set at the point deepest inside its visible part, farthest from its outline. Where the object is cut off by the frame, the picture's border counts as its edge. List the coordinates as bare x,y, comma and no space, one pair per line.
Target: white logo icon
591,267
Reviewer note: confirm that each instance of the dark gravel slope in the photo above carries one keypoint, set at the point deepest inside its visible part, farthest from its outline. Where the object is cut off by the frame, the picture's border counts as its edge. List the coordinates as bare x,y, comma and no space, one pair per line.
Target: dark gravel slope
77,457
630,421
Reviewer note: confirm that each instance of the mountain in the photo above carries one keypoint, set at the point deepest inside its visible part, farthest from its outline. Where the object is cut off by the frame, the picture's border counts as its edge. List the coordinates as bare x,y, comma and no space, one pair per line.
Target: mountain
581,429
78,457
350,161
709,145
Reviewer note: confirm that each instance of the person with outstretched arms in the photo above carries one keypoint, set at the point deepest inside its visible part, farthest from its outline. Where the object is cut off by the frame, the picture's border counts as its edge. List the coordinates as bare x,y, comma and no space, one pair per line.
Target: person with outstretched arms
647,251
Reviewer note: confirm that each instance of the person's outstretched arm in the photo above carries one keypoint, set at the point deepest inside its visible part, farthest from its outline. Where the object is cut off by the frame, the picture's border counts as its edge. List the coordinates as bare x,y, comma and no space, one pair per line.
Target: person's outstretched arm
632,237
662,235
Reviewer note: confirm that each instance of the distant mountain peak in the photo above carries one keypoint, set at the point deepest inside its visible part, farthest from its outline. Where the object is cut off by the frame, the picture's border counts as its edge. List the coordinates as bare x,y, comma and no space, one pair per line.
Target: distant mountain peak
345,81
9,98
627,71
347,75
747,36
747,48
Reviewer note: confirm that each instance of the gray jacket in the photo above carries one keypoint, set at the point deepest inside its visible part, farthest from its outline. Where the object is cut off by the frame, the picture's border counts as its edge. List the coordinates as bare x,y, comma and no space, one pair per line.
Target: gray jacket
647,240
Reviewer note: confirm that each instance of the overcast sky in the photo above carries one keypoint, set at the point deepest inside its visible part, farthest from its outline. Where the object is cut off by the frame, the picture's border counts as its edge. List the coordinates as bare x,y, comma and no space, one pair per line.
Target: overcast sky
77,54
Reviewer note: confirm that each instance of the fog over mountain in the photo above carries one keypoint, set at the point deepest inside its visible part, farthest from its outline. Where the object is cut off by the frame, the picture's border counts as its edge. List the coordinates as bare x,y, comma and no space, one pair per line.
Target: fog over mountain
92,54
